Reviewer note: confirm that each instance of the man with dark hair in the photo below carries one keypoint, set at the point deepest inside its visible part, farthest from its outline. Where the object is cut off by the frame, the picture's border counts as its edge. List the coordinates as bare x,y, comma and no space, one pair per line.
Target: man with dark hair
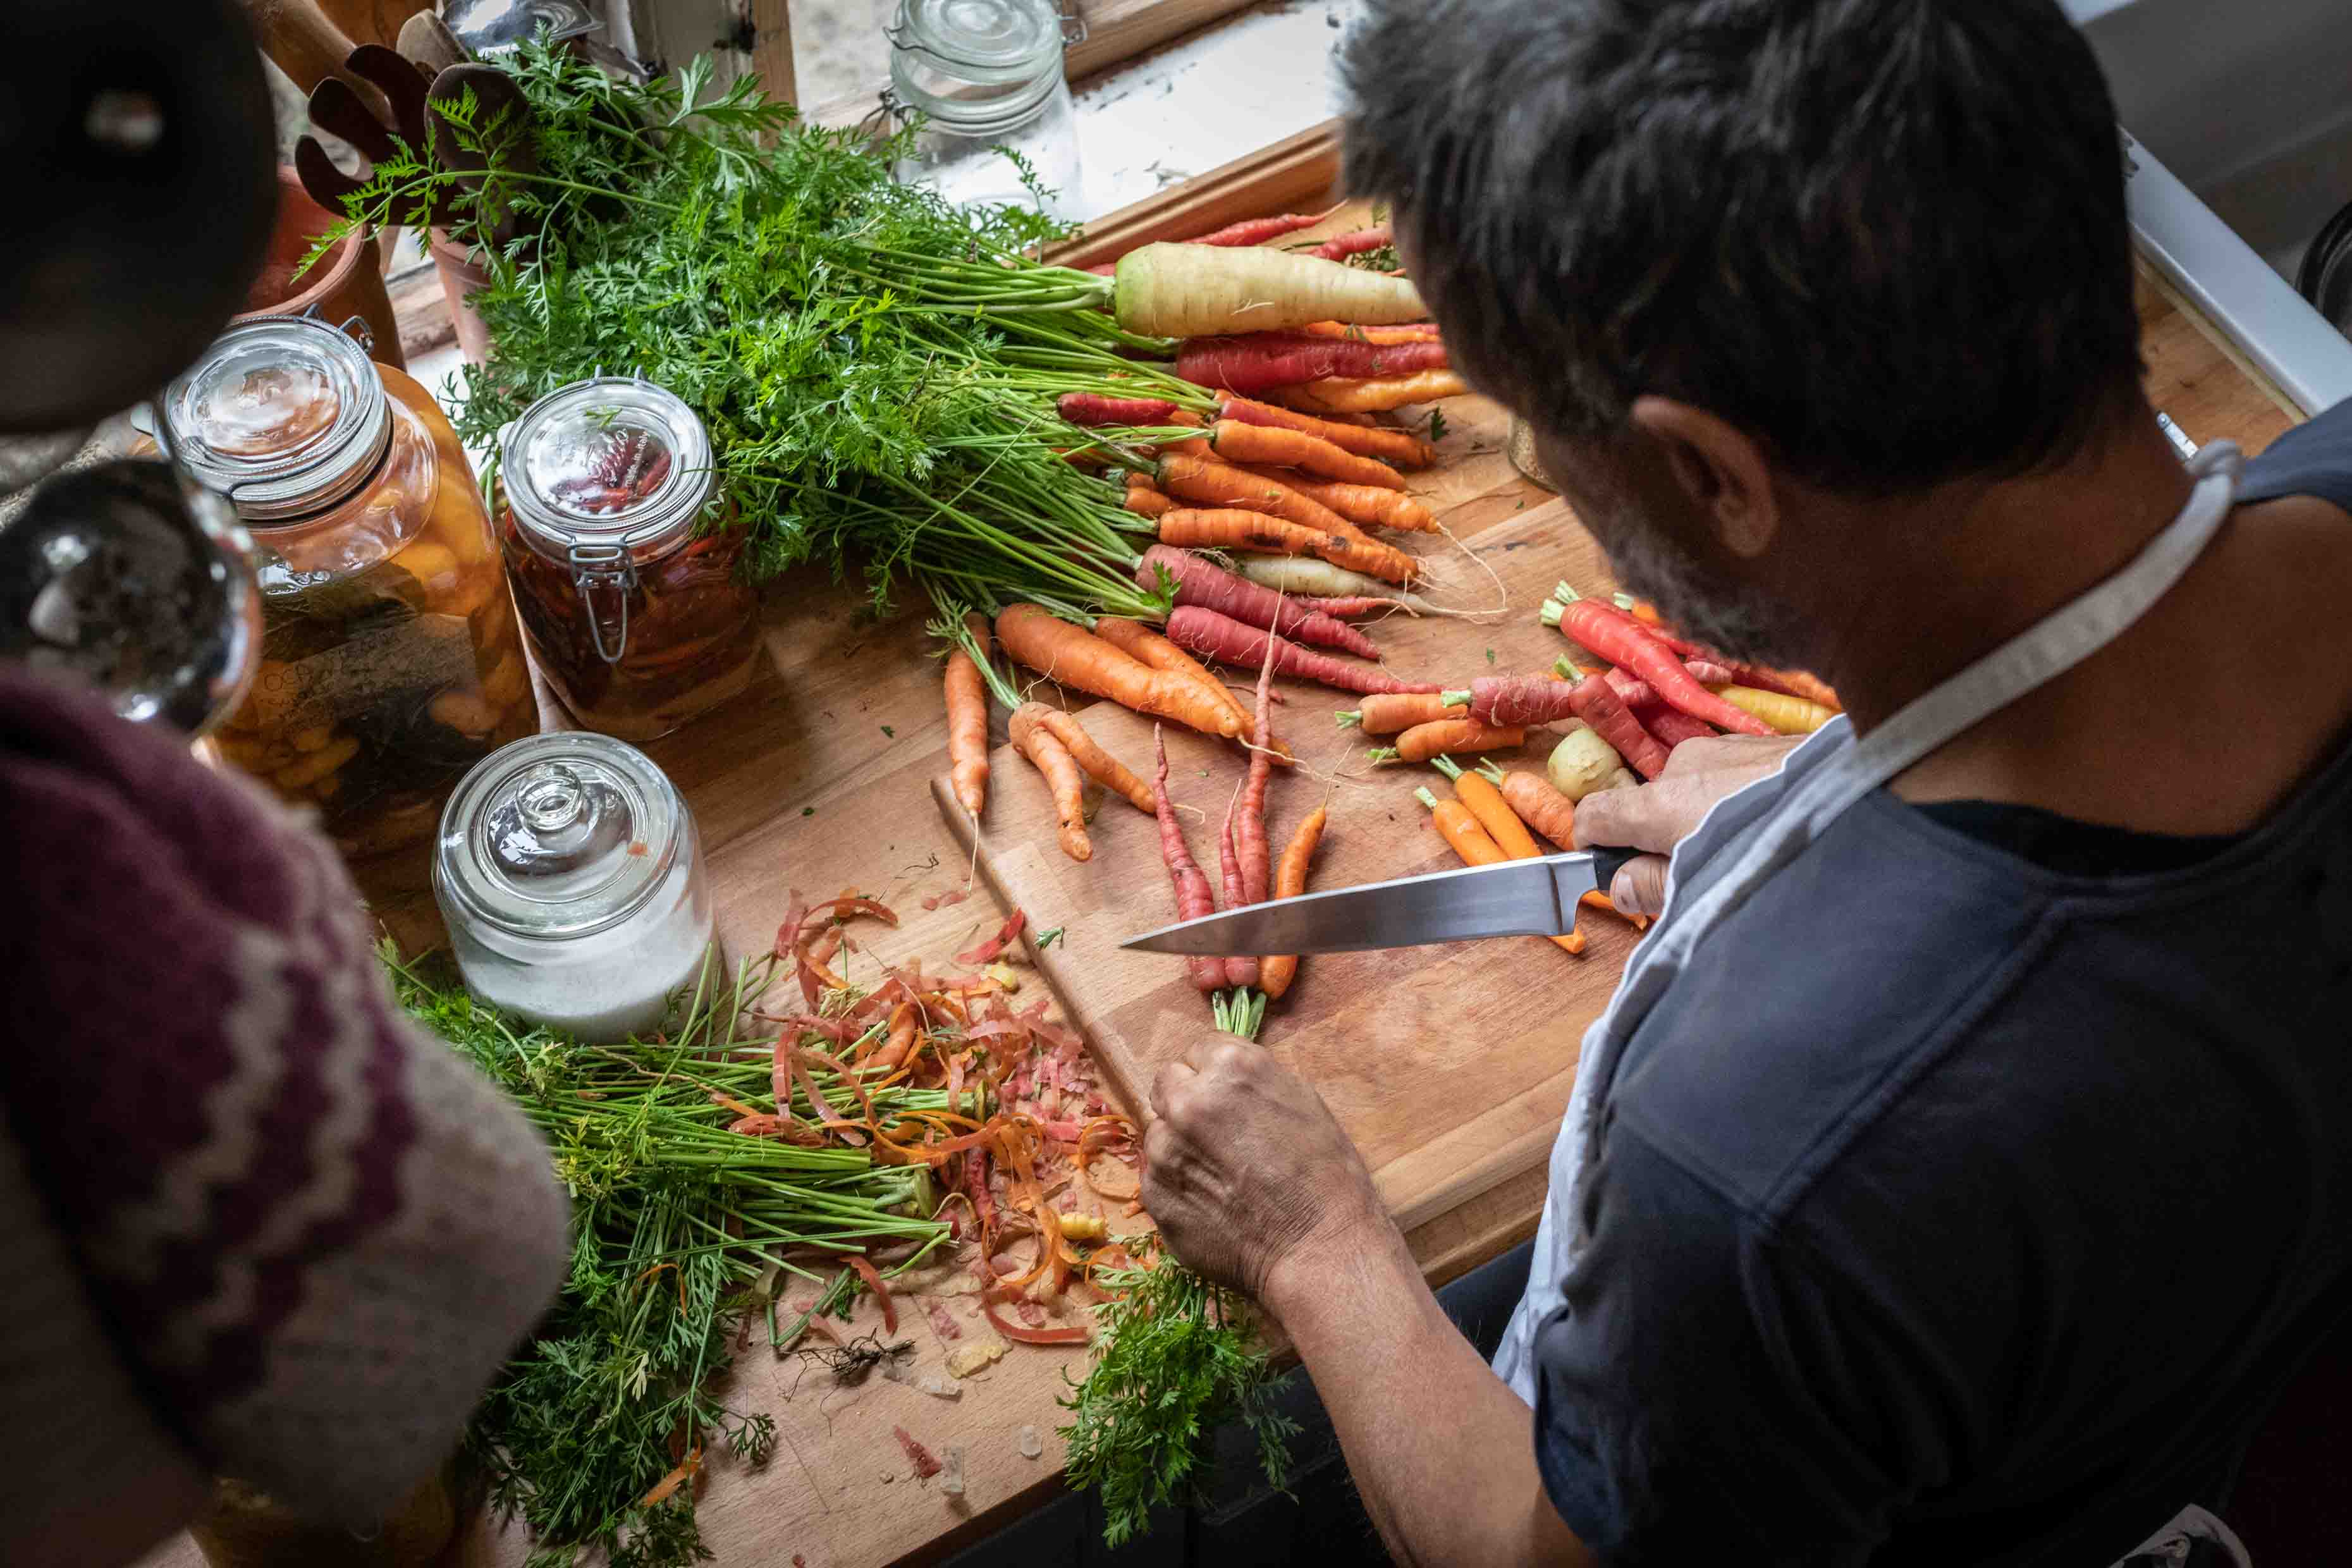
1965,1162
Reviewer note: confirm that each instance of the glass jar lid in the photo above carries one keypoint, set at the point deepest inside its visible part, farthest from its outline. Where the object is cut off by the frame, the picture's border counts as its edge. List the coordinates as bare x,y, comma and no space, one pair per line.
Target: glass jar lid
558,835
614,461
285,415
965,61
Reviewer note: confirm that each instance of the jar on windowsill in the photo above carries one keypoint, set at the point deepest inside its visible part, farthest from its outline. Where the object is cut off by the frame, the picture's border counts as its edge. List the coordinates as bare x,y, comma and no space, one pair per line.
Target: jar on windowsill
639,624
390,659
983,76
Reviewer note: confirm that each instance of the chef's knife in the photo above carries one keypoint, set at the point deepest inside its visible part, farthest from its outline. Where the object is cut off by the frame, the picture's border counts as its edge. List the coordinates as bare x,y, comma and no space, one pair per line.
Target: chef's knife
1513,898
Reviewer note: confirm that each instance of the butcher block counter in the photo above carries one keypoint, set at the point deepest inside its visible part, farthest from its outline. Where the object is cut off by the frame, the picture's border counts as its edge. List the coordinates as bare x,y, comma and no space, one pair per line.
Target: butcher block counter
821,779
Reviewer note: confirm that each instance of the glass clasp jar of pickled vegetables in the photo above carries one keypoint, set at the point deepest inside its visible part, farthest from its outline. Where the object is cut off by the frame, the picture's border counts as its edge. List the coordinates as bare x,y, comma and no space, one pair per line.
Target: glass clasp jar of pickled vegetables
639,623
570,874
390,659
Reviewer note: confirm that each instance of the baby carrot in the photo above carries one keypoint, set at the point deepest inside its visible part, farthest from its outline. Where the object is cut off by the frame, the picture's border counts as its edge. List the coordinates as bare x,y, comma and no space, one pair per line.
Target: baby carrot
1357,503
1788,715
967,699
1222,484
1343,395
1462,831
1534,800
1238,441
1087,752
1193,897
1275,975
1043,747
1074,657
1391,445
1503,825
1423,741
1389,713
1233,529
1147,646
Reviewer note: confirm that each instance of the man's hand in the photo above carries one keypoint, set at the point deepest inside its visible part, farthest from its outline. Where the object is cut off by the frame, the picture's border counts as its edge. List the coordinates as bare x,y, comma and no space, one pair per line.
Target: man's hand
1246,1172
1663,813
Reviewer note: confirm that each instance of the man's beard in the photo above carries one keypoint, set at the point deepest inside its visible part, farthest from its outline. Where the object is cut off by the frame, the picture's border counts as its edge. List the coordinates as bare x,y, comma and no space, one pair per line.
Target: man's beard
1734,619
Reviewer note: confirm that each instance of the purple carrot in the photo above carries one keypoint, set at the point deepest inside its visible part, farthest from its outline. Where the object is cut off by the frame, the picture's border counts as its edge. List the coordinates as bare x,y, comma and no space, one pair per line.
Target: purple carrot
1201,582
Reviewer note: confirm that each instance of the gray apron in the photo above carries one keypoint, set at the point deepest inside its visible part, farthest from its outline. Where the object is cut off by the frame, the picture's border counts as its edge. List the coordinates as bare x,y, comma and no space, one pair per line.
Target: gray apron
1750,836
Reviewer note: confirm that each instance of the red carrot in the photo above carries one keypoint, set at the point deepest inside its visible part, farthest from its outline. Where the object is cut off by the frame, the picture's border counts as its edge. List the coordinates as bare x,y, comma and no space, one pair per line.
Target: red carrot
1620,639
1200,581
1258,230
1707,672
1598,706
1240,970
1094,408
1257,858
1632,692
1228,641
1255,361
1672,726
1348,608
1193,898
1340,246
1515,702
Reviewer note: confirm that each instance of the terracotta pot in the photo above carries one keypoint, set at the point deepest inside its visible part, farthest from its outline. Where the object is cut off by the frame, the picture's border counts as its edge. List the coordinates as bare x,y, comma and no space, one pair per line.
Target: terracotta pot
461,279
348,281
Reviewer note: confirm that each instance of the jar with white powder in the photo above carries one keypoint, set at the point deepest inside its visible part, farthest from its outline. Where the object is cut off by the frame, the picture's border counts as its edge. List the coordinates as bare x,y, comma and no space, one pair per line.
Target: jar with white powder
570,876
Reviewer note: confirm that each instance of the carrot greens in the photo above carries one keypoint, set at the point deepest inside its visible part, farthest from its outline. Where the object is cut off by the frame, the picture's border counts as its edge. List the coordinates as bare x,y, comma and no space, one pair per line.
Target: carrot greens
868,358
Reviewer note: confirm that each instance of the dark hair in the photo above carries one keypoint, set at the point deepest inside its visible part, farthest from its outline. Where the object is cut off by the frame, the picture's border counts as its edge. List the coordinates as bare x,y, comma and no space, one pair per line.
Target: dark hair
1885,236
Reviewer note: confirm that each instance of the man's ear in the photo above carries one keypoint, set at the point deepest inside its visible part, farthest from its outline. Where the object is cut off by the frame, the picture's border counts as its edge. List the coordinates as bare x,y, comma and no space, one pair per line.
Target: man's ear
1720,470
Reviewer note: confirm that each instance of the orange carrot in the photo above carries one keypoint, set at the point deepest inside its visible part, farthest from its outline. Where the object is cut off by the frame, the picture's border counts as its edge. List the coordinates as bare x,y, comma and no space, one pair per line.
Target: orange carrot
1043,747
1357,503
1503,825
1461,830
1238,441
1423,741
1236,530
1140,643
1076,658
1275,975
1097,763
1224,485
1418,332
967,698
1146,501
1389,714
1536,804
1343,395
1391,445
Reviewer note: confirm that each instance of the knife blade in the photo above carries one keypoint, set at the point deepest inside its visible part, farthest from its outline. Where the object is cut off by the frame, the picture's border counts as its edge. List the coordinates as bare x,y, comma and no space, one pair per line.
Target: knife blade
1513,898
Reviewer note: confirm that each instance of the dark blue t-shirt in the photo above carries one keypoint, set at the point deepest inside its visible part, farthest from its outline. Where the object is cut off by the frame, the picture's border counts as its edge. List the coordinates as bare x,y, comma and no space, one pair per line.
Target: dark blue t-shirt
1973,1198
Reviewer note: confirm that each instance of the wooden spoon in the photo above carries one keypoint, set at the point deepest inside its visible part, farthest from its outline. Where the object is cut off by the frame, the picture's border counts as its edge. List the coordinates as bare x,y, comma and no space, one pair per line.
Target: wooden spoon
428,44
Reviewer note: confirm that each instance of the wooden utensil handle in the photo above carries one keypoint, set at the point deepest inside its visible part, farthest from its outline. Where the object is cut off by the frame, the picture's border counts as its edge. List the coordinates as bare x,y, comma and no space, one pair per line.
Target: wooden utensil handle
371,21
308,47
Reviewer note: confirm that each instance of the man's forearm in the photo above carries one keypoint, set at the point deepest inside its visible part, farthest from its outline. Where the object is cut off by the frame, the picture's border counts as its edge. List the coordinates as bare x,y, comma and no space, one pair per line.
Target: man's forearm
1442,1449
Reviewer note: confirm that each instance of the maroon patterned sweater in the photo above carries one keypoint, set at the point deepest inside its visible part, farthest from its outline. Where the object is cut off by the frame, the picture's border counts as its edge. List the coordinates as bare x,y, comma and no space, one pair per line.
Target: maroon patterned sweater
303,1232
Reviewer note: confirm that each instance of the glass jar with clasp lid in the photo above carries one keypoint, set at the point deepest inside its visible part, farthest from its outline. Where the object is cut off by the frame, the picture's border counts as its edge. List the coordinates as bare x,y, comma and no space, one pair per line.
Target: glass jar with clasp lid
639,622
570,874
390,660
985,75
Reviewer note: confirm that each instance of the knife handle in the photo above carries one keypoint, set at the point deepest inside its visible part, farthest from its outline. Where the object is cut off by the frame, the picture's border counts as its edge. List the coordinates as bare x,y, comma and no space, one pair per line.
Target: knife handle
1606,863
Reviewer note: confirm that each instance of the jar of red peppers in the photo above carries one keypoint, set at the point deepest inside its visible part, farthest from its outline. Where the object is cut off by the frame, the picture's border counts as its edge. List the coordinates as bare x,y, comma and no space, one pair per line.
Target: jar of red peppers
639,624
390,659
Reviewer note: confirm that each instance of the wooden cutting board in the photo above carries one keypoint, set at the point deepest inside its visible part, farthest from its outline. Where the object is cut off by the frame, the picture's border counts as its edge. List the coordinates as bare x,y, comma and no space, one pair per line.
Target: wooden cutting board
1449,1066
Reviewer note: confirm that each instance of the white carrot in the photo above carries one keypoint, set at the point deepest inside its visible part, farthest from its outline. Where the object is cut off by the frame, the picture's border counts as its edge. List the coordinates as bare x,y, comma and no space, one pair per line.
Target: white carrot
1199,291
